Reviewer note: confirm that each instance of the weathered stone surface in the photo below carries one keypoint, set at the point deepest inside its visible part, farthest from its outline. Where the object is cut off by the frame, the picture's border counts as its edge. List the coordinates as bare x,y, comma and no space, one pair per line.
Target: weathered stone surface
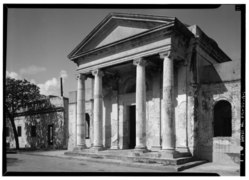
181,109
168,133
154,115
98,110
114,122
57,116
80,113
140,105
72,127
72,121
220,147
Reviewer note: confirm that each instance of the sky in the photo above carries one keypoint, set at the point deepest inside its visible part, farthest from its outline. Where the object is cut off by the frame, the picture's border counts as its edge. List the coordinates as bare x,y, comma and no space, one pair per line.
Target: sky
39,40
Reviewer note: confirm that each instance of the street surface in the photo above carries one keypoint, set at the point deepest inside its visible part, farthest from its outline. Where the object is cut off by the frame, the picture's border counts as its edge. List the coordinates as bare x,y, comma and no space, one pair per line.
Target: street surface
56,161
31,163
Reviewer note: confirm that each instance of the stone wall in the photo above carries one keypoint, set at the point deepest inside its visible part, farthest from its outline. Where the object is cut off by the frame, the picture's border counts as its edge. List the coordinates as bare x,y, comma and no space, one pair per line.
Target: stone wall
72,120
57,116
218,149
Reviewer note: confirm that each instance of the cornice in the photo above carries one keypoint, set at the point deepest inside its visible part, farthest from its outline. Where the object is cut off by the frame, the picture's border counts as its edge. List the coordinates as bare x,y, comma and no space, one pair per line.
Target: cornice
215,52
42,111
124,59
210,46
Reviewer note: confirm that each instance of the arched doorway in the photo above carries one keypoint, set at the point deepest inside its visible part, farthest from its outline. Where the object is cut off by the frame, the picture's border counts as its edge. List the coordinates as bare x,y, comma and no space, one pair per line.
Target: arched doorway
222,119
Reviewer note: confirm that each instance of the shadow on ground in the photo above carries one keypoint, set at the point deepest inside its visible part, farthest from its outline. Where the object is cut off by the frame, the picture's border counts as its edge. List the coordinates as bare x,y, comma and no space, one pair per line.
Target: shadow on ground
13,161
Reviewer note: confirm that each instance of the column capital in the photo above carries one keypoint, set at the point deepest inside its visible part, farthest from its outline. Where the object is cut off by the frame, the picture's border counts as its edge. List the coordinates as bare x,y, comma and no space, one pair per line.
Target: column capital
81,76
167,54
139,61
97,72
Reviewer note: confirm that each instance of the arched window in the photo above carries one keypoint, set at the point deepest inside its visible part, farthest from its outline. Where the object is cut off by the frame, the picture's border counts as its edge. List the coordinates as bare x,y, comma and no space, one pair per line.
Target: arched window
222,119
87,125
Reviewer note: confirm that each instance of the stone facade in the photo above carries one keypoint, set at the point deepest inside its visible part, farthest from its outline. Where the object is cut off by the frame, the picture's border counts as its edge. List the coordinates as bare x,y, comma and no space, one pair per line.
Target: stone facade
147,89
42,128
213,90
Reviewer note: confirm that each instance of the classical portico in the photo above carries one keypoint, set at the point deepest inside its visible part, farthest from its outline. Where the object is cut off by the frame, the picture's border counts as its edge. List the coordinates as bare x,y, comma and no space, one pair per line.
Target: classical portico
144,85
167,110
167,145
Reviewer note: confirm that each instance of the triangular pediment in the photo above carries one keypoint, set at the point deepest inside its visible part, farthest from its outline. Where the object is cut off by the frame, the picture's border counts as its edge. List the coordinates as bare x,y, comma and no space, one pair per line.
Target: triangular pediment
116,27
120,32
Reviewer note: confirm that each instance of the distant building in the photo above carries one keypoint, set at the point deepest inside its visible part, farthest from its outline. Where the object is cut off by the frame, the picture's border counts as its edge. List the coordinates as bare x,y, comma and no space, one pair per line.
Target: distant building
157,84
41,125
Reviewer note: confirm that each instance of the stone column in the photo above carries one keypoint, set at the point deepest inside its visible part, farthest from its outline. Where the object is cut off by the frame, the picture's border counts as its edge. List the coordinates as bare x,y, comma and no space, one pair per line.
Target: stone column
97,110
80,122
140,105
168,139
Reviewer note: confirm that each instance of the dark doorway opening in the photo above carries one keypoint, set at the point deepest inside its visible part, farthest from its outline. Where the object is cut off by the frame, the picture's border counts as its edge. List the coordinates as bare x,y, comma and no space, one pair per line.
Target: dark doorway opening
132,126
50,134
222,119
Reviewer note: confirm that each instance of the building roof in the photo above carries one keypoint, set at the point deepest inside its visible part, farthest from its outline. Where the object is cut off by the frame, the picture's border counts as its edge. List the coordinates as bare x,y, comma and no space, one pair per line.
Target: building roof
119,27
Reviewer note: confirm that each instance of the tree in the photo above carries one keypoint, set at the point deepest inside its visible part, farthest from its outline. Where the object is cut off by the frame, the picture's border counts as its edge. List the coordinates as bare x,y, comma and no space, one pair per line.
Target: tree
18,94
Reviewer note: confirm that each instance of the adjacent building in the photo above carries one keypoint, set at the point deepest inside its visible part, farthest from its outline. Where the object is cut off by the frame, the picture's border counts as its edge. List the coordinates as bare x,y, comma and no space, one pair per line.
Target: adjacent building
43,124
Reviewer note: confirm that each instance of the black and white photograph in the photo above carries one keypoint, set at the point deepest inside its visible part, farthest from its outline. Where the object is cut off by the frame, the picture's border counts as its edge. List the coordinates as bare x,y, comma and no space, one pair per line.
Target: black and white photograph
123,89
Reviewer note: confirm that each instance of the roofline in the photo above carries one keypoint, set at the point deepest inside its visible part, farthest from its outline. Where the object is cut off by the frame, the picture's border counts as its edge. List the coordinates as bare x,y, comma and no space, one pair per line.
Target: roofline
204,39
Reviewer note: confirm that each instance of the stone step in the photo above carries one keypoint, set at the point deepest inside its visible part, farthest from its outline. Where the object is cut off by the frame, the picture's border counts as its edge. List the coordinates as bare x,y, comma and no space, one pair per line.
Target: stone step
190,164
176,163
130,164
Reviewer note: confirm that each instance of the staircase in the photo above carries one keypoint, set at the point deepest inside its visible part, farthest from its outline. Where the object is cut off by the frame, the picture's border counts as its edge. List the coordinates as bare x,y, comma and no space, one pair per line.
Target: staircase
150,160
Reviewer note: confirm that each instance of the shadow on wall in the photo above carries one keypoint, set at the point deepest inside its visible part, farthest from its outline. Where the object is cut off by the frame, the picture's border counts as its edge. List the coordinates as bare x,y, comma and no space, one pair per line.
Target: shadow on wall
45,127
107,129
208,74
205,116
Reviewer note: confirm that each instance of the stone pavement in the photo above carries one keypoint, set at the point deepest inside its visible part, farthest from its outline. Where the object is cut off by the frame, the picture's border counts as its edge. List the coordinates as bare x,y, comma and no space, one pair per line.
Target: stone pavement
222,170
40,164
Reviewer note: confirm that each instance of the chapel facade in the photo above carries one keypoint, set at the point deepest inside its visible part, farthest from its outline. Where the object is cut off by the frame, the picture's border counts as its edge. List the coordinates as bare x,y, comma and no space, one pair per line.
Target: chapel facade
155,83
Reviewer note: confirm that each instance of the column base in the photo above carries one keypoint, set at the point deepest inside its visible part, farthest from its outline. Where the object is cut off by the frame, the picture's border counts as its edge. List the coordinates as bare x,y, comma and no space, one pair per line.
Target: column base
79,148
156,148
97,148
139,151
183,151
140,147
168,153
114,147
